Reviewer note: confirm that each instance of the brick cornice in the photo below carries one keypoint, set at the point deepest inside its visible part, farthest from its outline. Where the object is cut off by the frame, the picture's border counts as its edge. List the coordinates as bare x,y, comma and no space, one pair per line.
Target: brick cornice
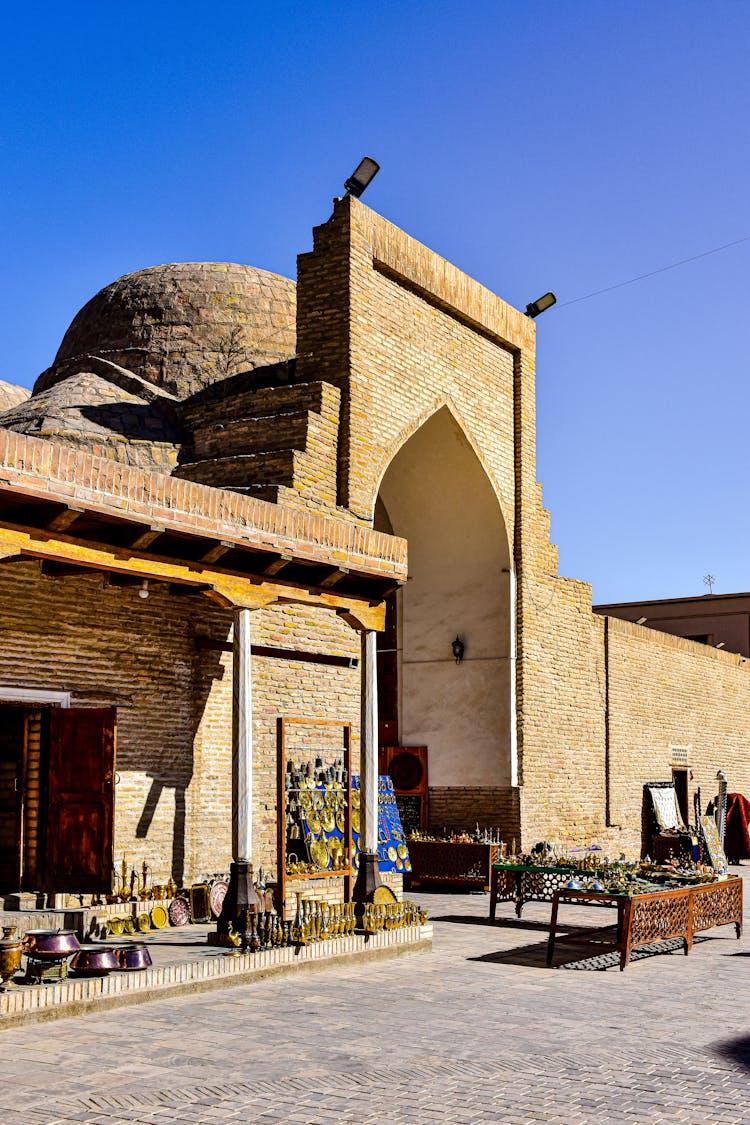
51,471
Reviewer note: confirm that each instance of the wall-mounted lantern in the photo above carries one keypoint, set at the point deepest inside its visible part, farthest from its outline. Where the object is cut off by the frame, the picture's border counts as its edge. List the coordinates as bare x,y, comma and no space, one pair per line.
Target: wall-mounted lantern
458,650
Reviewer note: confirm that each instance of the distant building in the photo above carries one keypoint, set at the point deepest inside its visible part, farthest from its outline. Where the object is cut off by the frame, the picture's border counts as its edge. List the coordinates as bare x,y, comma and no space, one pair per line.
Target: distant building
720,620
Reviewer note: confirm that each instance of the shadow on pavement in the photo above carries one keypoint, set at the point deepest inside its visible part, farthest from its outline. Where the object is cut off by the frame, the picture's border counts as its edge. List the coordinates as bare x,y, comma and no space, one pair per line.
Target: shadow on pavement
581,959
738,1050
473,920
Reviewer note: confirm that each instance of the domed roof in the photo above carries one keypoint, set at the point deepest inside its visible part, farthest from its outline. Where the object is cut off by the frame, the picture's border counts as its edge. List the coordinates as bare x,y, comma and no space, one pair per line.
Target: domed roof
11,395
183,326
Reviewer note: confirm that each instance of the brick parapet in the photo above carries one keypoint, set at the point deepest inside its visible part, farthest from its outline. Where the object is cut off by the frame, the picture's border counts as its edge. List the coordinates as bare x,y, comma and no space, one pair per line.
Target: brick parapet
55,472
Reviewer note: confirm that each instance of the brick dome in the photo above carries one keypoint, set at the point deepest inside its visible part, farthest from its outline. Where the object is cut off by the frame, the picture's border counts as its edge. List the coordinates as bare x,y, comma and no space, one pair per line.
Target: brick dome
11,395
183,326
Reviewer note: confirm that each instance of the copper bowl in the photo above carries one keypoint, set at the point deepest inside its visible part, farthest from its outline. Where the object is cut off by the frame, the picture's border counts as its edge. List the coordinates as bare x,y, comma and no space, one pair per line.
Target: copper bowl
94,960
50,945
133,956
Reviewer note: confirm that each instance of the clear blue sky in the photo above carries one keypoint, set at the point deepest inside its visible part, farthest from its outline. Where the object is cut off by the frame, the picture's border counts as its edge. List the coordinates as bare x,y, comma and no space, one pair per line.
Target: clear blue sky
536,145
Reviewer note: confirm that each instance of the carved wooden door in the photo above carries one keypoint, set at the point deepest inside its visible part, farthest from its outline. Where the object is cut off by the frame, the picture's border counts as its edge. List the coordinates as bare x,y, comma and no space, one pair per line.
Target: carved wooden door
80,811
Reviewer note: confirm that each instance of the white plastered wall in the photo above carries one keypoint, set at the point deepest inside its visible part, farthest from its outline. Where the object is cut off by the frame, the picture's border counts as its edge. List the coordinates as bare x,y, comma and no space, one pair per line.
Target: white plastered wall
437,494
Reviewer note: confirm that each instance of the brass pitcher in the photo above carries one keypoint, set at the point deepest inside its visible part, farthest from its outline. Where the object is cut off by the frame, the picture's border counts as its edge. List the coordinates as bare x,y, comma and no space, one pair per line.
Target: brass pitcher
10,956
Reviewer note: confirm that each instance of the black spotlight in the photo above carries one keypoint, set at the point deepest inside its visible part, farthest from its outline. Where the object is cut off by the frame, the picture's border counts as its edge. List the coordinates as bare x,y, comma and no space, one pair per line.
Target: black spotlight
365,171
541,305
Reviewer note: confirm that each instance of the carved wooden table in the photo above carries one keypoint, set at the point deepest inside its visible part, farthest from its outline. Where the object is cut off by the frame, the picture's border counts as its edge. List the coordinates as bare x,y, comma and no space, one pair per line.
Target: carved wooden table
447,861
643,919
522,882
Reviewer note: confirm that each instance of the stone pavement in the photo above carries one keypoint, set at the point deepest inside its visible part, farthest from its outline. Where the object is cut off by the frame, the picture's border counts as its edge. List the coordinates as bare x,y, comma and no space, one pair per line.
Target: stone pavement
479,1030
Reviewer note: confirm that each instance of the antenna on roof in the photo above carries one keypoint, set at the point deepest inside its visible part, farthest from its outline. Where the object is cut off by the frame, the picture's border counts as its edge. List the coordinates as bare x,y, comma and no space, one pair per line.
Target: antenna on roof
708,580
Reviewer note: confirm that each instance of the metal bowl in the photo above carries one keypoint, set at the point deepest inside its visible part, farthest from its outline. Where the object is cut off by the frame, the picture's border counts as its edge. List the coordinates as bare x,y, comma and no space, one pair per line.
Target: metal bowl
50,945
94,960
133,957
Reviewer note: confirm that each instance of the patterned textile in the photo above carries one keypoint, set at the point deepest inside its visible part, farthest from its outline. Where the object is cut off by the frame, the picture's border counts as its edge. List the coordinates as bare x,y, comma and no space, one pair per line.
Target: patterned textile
737,837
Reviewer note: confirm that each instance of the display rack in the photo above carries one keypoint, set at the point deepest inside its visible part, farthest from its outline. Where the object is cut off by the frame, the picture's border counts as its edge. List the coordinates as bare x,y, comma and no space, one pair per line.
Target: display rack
283,729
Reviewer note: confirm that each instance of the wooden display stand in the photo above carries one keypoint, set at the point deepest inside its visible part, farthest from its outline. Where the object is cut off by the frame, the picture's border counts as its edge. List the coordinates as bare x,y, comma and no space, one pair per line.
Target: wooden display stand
643,919
467,865
345,873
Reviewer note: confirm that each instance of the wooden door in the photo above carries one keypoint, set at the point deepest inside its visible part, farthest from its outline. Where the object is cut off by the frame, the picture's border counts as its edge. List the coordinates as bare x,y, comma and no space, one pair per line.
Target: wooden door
11,773
81,788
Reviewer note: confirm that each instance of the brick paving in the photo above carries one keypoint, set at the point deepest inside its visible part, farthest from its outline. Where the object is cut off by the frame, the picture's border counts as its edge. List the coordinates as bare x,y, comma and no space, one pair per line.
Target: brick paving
479,1030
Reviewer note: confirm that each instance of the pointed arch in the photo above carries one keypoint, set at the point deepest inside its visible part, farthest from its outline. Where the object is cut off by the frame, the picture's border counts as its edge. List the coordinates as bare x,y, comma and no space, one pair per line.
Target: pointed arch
437,493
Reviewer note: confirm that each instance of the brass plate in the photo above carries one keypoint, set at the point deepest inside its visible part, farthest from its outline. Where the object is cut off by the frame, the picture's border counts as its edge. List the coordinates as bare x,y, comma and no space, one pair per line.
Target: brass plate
128,925
407,865
383,893
327,820
340,821
355,798
159,917
313,821
319,854
355,820
399,863
402,850
143,922
115,925
392,854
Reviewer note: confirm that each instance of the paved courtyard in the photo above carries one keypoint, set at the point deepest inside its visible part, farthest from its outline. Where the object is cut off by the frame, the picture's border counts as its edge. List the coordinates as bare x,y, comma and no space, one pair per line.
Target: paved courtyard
479,1030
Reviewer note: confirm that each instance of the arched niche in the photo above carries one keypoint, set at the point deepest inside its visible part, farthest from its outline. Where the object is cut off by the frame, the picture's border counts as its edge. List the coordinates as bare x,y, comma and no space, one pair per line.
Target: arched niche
437,495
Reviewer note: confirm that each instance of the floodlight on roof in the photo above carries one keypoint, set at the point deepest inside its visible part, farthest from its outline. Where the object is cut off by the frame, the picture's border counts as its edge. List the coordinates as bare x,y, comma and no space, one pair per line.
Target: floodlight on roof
361,177
541,305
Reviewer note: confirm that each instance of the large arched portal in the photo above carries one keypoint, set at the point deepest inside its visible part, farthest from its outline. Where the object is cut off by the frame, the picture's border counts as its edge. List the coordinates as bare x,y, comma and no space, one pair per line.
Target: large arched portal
437,495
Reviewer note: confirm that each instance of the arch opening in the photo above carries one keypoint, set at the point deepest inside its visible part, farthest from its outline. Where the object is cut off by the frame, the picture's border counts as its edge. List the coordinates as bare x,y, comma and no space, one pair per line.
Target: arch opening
436,494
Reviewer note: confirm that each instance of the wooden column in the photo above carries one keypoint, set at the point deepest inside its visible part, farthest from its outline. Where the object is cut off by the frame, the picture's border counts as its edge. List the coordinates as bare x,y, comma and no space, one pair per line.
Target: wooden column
368,876
242,739
241,898
369,743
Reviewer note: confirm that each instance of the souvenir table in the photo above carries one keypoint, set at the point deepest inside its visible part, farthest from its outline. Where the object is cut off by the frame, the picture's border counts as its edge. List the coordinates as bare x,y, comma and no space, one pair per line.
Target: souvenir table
658,915
449,861
528,882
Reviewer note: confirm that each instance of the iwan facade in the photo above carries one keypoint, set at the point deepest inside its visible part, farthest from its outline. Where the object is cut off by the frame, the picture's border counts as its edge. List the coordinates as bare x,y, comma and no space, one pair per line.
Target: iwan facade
239,442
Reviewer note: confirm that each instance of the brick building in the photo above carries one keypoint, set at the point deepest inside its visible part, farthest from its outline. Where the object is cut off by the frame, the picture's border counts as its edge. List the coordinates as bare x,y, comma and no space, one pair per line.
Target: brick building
255,455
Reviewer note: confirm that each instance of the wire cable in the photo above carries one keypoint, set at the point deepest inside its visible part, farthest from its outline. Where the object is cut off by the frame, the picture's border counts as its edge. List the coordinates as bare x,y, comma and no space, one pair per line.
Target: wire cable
653,273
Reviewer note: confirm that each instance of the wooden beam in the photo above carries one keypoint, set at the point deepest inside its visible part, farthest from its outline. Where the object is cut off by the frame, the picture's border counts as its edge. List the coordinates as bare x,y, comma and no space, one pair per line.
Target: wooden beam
277,564
302,655
64,519
334,576
215,553
146,538
224,587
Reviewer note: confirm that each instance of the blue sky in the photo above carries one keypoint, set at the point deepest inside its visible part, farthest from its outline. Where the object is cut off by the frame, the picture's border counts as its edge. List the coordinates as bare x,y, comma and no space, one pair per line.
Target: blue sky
541,145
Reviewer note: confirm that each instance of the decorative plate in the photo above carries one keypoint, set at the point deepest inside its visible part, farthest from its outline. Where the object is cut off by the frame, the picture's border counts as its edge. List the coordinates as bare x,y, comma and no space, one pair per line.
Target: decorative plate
392,854
115,925
159,917
355,820
143,922
355,798
217,894
407,865
327,820
399,864
340,821
128,925
319,854
179,912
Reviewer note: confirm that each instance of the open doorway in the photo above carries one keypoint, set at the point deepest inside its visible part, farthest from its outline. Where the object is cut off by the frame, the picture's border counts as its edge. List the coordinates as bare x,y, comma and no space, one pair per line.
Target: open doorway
436,494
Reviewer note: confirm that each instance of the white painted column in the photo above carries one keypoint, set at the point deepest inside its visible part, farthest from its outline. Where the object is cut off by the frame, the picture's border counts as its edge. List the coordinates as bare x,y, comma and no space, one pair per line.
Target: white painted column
242,739
368,779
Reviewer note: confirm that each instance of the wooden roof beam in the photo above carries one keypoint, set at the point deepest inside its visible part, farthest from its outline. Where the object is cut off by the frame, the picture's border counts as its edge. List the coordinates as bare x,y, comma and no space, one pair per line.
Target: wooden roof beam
64,519
334,576
146,538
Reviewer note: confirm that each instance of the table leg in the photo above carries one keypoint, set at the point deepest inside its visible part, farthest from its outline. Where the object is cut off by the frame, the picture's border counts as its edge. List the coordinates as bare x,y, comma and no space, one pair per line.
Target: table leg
493,892
626,906
552,929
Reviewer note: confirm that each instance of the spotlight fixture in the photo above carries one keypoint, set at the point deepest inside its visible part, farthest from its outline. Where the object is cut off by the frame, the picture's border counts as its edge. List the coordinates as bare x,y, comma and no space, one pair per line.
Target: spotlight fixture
361,177
144,591
641,621
720,644
541,305
458,650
